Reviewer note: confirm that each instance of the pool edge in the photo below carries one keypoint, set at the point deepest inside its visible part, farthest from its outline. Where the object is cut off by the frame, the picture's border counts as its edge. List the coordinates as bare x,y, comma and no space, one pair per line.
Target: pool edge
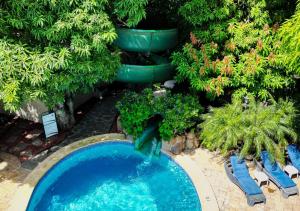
22,196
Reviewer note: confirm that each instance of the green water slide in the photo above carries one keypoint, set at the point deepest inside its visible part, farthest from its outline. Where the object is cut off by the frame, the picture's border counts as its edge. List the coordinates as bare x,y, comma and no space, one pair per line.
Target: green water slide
148,142
148,134
161,71
148,42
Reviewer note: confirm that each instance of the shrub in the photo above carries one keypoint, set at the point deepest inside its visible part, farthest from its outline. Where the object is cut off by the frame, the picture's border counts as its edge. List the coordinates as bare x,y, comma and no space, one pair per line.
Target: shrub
249,130
179,112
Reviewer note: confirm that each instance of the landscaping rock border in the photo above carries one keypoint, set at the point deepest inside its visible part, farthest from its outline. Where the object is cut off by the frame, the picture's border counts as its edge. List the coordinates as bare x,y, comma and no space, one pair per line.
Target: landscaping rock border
187,142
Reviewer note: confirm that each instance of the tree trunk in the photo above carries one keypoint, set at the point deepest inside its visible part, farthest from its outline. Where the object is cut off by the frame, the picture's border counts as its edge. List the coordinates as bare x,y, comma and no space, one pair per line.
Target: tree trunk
65,113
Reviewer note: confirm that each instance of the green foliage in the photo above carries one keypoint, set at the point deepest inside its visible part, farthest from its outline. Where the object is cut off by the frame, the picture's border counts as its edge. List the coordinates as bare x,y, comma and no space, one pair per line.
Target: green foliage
135,111
133,11
232,46
250,130
50,49
290,36
23,72
179,112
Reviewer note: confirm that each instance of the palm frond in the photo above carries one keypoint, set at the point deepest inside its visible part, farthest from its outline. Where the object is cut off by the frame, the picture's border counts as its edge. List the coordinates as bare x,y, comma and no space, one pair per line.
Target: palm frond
259,127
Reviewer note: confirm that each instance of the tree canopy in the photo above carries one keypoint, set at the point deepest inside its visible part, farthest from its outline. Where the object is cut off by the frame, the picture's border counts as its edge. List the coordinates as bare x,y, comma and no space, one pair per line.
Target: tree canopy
290,36
232,47
52,49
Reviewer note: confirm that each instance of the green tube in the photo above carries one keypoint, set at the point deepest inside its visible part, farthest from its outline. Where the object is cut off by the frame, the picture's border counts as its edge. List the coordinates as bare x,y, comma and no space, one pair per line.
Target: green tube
148,134
144,74
146,41
138,40
162,71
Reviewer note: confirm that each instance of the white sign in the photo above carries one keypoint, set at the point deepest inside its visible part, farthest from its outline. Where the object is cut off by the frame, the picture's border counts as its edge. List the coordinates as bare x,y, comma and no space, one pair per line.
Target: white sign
50,125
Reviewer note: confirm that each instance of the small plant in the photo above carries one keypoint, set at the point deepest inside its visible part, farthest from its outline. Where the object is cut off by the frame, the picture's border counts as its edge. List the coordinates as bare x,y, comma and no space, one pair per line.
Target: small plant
178,112
250,128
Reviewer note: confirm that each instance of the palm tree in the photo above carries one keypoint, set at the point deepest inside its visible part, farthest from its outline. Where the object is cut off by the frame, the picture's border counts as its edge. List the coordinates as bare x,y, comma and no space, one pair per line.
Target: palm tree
250,129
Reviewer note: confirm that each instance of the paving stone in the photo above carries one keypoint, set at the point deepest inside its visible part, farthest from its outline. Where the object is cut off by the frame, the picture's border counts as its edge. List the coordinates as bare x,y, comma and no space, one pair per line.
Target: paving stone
34,134
29,164
98,120
37,142
18,148
229,196
26,153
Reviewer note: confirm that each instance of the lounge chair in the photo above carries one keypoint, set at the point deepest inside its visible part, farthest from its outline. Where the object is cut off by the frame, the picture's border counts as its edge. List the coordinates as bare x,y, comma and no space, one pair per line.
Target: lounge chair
294,155
237,172
277,176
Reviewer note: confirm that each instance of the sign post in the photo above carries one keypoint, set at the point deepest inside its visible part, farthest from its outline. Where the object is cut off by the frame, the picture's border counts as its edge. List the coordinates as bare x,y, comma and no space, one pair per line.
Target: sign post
50,125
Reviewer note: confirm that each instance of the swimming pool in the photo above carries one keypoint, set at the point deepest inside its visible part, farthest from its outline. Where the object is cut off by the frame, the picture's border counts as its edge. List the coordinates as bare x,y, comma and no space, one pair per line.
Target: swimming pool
112,176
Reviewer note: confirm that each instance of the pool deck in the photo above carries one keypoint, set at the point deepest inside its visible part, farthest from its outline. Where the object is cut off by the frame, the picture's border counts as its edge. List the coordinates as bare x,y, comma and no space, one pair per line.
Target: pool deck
205,168
230,197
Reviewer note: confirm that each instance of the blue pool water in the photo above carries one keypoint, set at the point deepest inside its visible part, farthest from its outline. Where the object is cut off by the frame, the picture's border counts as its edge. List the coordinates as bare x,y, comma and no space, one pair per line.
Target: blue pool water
112,176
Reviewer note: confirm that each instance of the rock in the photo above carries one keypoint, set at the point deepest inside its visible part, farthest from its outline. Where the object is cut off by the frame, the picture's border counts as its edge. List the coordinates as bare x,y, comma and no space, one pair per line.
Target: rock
175,145
189,144
34,134
119,125
192,142
37,142
160,93
178,145
129,137
18,148
26,153
170,84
